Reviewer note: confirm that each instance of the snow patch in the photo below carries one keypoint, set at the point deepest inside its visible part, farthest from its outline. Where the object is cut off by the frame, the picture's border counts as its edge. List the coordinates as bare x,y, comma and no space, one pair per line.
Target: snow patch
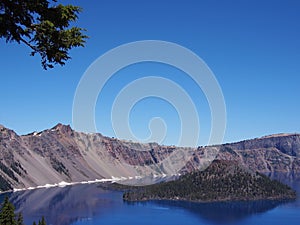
64,184
19,189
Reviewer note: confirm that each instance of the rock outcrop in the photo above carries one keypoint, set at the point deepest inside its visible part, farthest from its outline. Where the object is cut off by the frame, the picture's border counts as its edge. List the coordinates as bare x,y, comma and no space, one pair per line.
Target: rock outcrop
62,154
278,153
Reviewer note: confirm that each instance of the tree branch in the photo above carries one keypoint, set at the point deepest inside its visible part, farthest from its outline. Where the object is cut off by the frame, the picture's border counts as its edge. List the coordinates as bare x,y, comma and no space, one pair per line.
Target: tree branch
28,44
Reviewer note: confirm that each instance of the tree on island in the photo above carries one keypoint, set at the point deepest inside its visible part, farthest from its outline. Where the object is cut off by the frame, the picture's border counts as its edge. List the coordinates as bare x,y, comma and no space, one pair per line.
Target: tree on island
43,27
8,216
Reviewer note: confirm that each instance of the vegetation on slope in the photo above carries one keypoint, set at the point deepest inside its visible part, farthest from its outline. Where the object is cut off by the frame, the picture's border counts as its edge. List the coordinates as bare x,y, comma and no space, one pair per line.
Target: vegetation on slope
59,167
8,216
221,181
8,171
4,185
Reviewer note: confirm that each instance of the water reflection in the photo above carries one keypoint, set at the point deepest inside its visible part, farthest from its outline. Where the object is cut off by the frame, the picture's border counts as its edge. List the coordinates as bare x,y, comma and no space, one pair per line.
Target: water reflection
223,213
87,204
63,206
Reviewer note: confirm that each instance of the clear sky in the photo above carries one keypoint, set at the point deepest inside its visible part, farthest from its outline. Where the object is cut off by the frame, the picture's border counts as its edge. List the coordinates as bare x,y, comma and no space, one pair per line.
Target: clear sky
252,47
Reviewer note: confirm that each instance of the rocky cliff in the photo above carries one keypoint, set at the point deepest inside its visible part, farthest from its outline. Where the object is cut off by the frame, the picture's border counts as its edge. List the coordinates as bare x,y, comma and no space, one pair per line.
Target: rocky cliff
62,154
269,154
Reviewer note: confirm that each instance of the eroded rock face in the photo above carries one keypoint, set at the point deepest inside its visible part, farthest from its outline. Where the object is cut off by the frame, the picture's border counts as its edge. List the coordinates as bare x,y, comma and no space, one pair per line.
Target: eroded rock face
270,154
62,154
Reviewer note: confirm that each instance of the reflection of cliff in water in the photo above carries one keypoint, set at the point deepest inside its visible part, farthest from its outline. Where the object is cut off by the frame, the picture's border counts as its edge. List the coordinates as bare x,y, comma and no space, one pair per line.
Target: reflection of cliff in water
224,212
228,212
64,205
291,179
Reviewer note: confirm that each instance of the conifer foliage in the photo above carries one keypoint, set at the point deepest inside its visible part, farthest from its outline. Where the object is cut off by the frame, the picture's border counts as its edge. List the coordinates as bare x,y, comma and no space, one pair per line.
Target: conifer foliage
8,216
42,25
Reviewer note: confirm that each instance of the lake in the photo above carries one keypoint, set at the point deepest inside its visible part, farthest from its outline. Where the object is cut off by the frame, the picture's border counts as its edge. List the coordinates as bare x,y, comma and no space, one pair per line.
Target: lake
90,204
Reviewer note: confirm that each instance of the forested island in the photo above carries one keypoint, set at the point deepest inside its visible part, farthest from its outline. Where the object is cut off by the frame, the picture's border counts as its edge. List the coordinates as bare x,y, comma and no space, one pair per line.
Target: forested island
221,181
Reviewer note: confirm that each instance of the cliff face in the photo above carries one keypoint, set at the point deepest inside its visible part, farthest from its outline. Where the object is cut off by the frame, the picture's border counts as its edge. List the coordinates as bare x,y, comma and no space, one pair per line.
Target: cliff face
62,154
270,154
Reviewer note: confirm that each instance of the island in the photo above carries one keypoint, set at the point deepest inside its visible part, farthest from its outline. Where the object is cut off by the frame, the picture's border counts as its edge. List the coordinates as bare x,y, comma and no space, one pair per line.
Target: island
221,181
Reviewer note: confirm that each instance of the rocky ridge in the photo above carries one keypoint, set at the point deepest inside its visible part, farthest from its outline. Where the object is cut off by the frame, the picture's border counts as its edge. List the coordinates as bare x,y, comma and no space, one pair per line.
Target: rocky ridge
62,154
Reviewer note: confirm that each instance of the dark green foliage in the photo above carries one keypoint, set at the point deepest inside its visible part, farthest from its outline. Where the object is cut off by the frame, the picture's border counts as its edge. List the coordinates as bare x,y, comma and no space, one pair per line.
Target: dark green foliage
7,214
42,26
42,222
221,181
8,217
20,219
4,185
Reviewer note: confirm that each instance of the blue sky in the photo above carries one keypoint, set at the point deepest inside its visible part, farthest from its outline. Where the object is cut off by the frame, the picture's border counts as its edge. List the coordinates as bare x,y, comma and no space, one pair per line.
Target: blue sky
252,47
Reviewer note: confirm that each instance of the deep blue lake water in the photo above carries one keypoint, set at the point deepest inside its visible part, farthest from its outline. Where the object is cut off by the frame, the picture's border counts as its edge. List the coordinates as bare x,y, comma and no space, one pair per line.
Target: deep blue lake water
88,204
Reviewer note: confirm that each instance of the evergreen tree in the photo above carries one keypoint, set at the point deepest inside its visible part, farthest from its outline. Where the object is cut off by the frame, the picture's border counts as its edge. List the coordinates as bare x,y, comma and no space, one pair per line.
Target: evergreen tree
20,220
8,217
42,221
7,214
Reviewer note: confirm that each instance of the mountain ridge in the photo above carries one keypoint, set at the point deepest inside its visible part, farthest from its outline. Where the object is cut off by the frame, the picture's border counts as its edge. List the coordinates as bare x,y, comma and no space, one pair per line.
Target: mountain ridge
62,154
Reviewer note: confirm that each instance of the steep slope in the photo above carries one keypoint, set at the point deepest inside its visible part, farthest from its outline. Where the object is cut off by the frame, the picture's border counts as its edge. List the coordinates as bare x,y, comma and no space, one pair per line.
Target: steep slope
270,154
62,154
274,153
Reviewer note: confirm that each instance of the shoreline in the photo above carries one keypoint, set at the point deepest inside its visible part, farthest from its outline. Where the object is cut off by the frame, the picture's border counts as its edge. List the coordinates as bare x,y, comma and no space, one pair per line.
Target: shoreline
63,184
213,201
